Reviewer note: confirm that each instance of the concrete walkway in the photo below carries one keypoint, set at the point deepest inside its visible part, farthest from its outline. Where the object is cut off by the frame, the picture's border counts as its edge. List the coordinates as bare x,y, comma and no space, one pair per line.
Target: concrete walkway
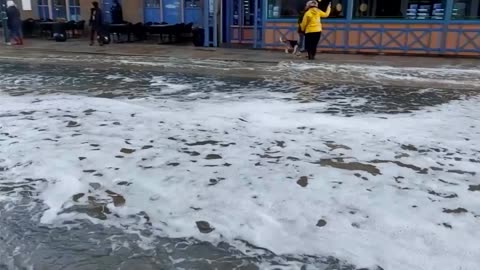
37,46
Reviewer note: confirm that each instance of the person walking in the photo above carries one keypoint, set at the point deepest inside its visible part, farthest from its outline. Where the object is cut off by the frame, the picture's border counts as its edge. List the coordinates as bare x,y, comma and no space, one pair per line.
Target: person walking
14,24
96,22
301,34
312,26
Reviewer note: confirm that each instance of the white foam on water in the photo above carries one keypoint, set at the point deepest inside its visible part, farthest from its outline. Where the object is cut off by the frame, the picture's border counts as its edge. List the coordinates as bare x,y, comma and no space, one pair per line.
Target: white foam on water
120,77
168,88
447,75
369,222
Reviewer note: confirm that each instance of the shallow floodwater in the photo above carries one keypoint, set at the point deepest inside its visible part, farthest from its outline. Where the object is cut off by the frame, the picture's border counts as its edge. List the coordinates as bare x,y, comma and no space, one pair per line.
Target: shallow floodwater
138,168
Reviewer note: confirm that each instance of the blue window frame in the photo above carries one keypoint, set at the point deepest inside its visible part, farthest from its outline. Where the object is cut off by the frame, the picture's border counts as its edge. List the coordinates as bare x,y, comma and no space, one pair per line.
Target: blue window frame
74,8
43,9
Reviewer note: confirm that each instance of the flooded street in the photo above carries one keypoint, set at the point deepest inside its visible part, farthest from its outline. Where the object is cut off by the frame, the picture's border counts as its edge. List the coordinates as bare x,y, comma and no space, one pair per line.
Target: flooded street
135,163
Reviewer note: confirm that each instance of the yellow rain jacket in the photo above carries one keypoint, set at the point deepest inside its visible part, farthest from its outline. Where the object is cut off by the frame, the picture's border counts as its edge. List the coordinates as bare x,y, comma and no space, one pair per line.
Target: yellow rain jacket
312,21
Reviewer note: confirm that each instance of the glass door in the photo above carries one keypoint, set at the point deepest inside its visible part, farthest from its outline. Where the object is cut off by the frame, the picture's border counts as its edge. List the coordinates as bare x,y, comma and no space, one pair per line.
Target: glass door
243,17
107,10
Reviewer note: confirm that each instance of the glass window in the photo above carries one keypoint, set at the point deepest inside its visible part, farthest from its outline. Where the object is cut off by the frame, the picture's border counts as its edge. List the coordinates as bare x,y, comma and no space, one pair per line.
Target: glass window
291,8
152,3
43,9
59,9
400,9
466,9
192,3
74,6
244,12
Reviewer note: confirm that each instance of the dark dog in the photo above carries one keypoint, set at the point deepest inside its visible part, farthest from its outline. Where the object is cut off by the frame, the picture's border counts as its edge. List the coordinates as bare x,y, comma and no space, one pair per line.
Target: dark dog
290,45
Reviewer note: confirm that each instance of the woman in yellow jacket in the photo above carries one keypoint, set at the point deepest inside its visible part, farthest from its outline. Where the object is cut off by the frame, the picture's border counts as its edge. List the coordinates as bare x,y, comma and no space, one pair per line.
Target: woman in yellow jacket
312,26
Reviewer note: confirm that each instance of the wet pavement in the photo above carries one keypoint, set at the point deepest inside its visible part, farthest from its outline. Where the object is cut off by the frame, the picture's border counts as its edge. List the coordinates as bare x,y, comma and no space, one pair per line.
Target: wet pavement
81,48
174,163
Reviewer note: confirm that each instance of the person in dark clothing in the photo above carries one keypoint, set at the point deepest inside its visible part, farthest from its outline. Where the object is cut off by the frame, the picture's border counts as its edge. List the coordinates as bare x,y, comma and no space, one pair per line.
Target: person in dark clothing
14,23
301,34
117,13
96,22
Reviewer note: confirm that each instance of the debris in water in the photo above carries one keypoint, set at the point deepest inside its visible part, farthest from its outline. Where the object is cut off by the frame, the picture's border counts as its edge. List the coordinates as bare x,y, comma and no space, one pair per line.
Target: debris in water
118,200
76,197
213,156
461,172
409,147
124,183
352,166
474,188
446,225
321,223
173,164
334,146
204,227
455,211
208,142
73,124
443,195
127,150
303,181
95,185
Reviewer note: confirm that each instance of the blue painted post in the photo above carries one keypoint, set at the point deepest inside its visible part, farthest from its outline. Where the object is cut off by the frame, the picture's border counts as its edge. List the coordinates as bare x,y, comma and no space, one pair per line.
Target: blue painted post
446,22
3,14
215,22
264,19
349,18
255,25
349,14
229,21
206,27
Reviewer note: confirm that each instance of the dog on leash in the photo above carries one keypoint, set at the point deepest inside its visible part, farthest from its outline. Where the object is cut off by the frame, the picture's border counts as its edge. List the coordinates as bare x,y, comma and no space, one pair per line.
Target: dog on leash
290,45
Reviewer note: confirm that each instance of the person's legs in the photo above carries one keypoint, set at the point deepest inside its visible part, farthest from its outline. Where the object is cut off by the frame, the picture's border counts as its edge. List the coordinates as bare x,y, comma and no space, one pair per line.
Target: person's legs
309,39
19,34
301,42
316,39
92,37
13,34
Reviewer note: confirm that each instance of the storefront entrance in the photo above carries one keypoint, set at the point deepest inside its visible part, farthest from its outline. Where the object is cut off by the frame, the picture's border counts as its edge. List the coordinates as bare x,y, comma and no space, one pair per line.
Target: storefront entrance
243,19
173,11
107,9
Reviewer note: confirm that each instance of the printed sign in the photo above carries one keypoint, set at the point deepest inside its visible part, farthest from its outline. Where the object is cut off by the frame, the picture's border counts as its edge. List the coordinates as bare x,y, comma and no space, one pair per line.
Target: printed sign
27,4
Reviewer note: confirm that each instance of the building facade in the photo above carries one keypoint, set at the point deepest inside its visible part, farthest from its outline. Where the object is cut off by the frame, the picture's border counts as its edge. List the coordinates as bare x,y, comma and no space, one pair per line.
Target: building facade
427,27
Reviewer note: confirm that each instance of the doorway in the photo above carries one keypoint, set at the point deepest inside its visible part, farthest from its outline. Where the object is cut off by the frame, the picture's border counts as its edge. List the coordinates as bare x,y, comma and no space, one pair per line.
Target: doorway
243,21
107,10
